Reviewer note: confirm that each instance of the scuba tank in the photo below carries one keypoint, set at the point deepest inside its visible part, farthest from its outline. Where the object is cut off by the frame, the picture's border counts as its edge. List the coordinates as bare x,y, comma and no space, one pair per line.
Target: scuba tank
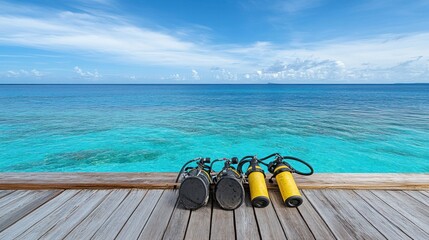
194,189
282,172
229,190
256,178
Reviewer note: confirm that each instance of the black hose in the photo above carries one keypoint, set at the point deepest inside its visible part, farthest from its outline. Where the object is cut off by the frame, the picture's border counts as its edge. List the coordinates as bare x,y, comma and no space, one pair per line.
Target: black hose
301,161
183,168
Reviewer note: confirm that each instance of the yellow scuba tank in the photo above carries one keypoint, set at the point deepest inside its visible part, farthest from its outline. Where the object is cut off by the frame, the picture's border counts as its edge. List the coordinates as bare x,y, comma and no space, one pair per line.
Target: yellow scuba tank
282,172
256,178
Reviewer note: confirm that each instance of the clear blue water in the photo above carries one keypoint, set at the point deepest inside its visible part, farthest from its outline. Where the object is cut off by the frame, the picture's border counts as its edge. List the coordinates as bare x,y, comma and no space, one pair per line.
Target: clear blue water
123,128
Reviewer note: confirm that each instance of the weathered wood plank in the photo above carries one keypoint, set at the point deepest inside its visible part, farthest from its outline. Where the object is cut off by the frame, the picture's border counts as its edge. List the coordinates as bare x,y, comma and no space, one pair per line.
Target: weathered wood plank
200,223
5,192
135,224
176,228
245,221
58,215
419,196
13,197
87,227
426,193
222,225
292,222
412,209
120,216
392,215
24,206
71,220
389,230
316,224
269,224
344,221
158,221
166,181
37,215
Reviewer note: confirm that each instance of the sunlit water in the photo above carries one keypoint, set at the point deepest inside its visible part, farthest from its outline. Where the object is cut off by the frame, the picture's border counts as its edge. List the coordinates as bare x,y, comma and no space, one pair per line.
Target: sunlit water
337,128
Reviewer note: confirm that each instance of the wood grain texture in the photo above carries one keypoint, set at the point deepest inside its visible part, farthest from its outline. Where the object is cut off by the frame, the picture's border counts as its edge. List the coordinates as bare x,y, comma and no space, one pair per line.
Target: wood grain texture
5,192
246,226
269,224
13,181
23,206
200,223
113,225
158,221
389,230
409,207
57,216
392,215
135,224
293,224
419,196
316,224
344,221
37,215
222,225
70,221
87,227
176,228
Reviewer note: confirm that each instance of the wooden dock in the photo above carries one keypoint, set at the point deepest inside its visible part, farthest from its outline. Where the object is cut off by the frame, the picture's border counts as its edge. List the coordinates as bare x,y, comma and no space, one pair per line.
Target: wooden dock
33,207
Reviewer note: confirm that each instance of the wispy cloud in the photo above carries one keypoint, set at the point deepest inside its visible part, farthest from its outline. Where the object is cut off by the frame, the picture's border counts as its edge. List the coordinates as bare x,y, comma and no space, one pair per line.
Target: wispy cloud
87,74
114,39
24,73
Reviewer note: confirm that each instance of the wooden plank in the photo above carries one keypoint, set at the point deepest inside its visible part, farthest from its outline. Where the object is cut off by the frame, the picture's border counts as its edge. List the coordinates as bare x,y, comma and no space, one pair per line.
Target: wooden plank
41,227
389,230
71,220
176,228
291,220
24,206
34,217
200,223
316,224
98,216
222,224
419,196
137,221
166,181
5,192
158,221
246,226
120,216
269,224
426,193
344,221
412,209
10,199
392,215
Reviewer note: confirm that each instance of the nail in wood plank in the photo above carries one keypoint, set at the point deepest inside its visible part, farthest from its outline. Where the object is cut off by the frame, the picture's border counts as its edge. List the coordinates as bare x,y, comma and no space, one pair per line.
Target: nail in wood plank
269,224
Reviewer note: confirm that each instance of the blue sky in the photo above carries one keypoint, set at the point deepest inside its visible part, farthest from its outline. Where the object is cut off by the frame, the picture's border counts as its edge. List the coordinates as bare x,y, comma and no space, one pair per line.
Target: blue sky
223,41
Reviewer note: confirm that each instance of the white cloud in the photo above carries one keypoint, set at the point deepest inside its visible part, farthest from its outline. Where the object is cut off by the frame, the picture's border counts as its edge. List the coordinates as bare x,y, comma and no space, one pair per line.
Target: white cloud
383,58
87,74
195,75
24,73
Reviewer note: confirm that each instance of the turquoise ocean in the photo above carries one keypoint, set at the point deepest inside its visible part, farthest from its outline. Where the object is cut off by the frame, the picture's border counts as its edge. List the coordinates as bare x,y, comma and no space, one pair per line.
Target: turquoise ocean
146,128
